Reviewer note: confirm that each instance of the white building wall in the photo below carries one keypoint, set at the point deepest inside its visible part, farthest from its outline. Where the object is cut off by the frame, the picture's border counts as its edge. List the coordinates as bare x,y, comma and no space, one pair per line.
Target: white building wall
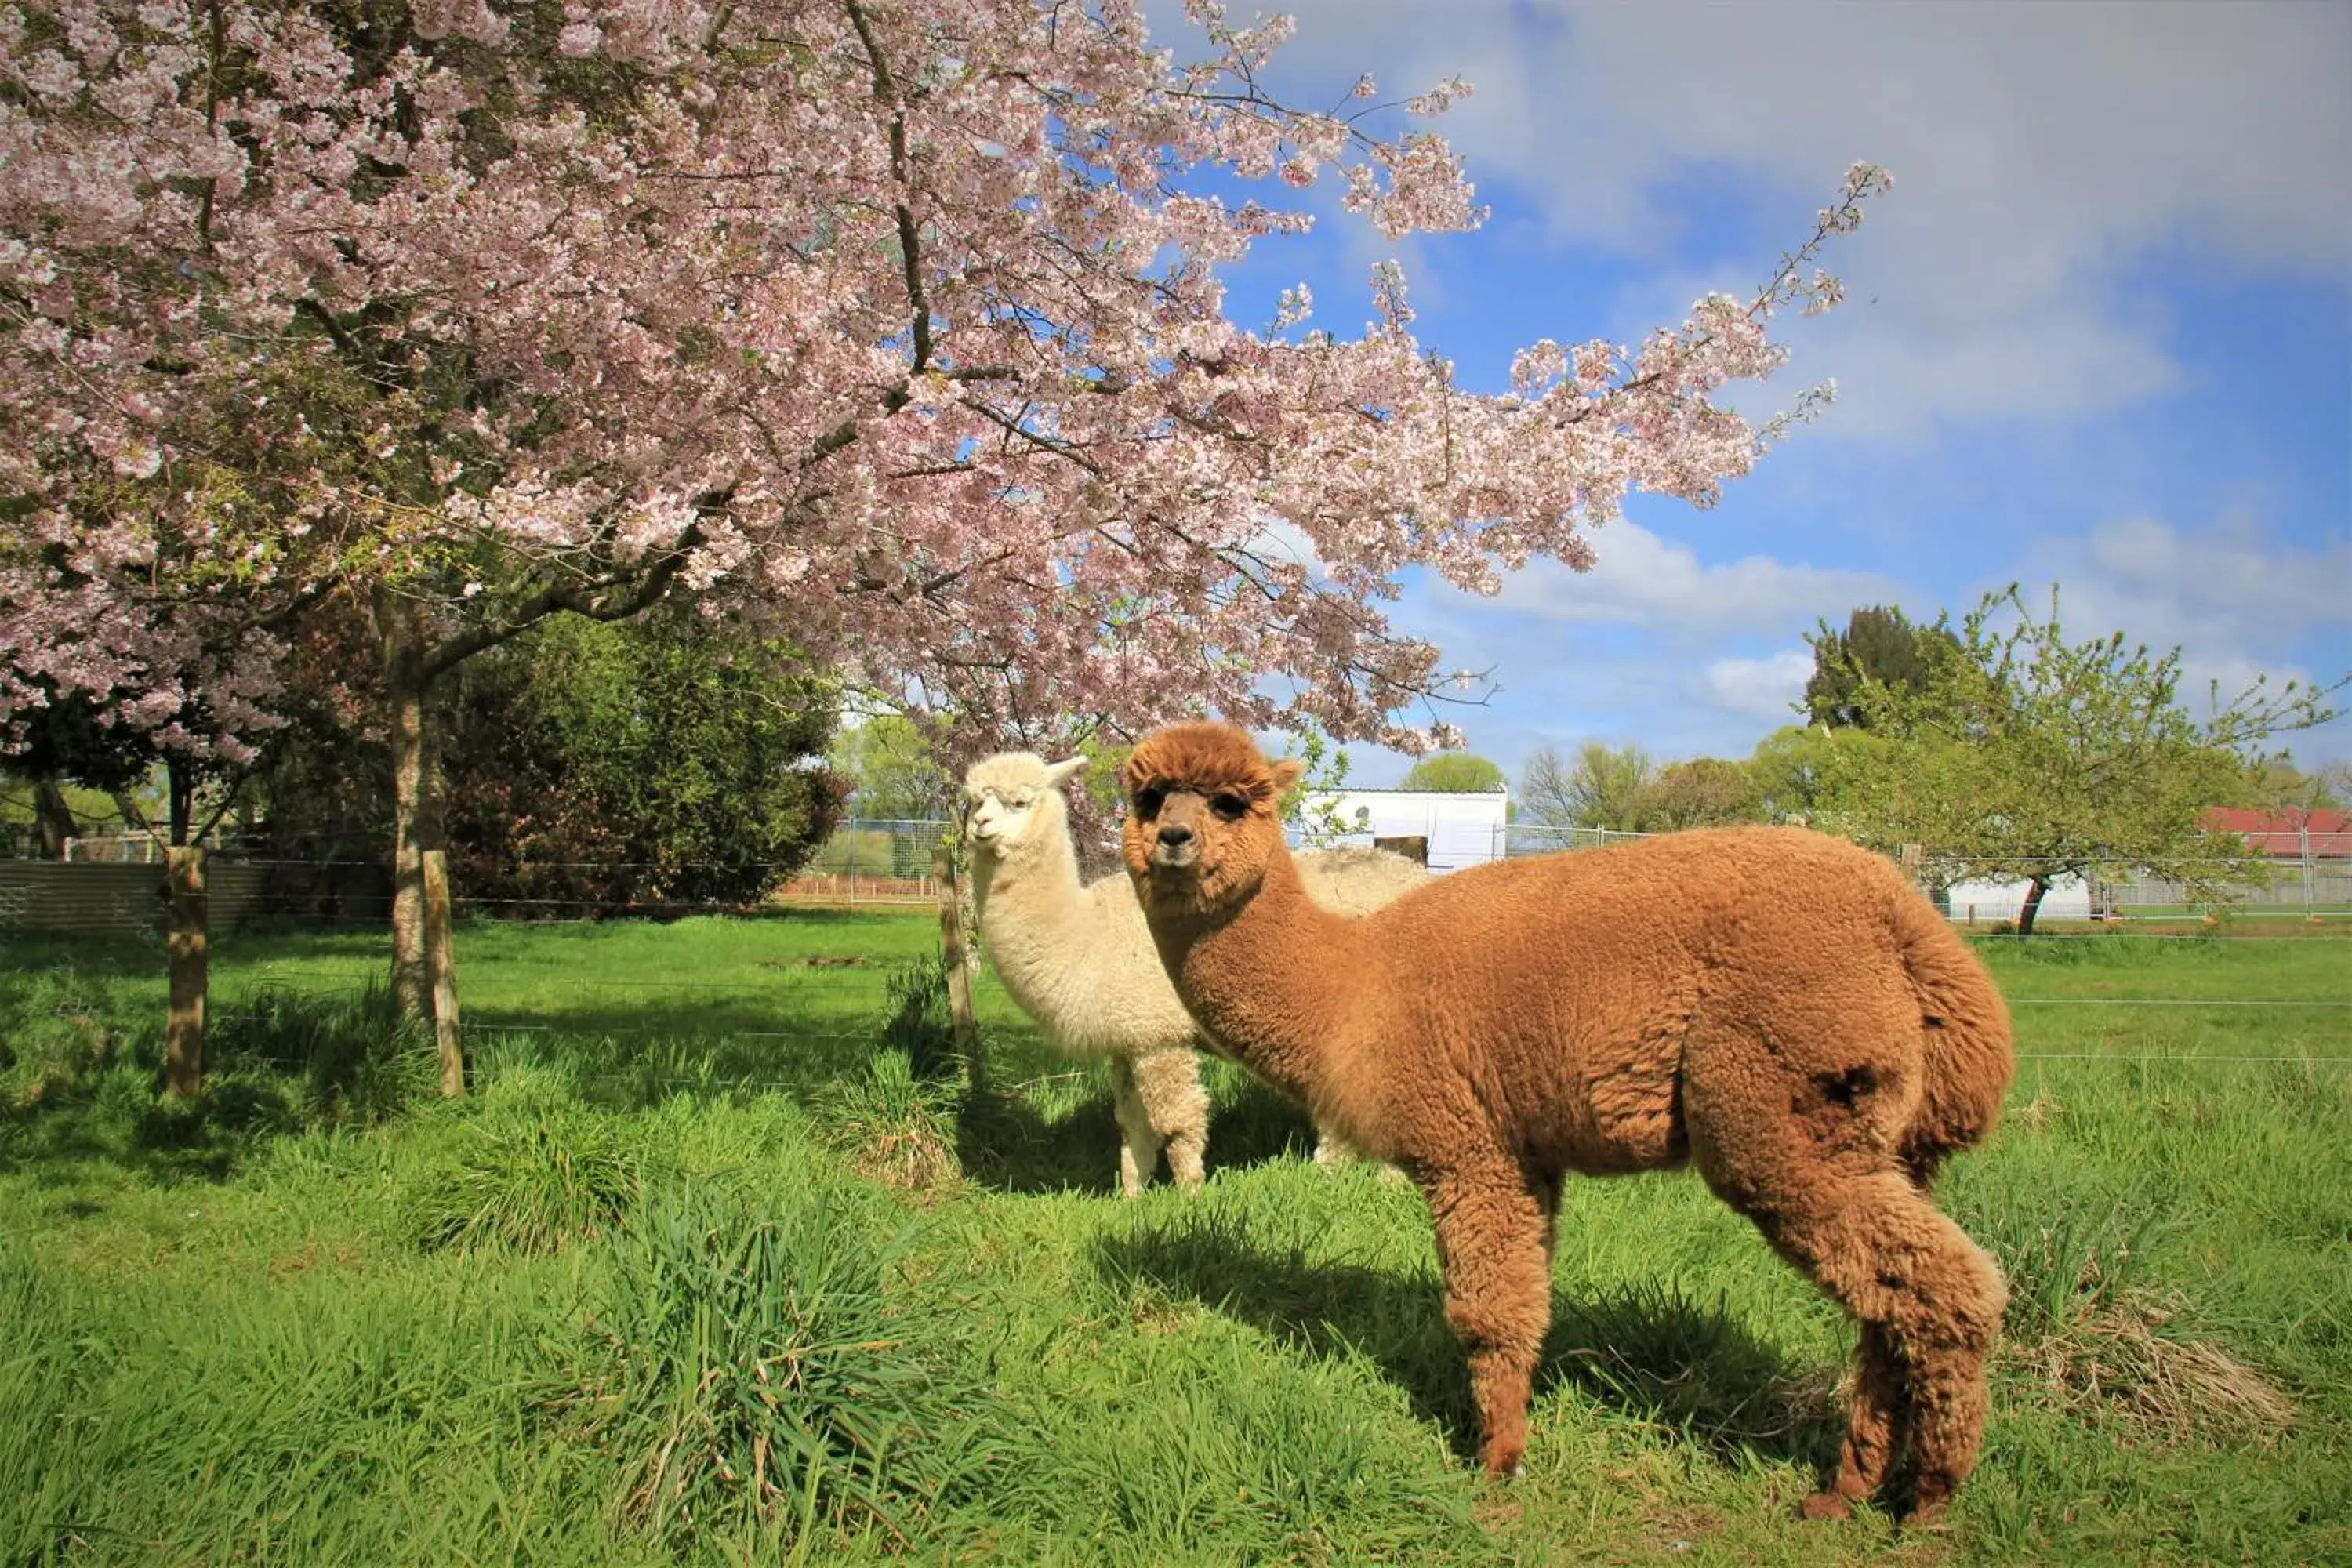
1462,829
2069,899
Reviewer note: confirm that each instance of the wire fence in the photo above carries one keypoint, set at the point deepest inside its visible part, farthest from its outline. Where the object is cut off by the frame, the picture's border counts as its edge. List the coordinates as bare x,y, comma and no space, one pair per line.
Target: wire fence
2298,875
109,884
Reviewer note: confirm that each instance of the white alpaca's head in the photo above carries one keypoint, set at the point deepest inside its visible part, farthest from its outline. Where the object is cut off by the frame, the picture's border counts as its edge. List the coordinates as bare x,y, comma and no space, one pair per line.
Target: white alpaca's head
1014,799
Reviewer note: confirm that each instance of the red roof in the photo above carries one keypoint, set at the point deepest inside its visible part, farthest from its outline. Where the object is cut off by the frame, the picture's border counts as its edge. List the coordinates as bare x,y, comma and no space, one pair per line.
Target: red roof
2283,833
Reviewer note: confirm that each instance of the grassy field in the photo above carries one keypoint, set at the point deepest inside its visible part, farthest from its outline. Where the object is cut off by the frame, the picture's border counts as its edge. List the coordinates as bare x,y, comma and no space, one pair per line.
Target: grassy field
714,1268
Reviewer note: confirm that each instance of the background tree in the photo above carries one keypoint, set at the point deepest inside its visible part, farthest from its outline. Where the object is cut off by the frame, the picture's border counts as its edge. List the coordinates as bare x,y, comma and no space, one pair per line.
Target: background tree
1704,792
886,759
65,742
2279,786
2020,755
1458,772
1797,770
1878,644
1602,787
908,336
594,767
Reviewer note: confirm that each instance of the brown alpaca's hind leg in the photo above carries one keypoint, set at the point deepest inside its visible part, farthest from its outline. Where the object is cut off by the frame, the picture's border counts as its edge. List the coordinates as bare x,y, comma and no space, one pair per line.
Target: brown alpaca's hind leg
1929,1299
1877,1426
1492,1240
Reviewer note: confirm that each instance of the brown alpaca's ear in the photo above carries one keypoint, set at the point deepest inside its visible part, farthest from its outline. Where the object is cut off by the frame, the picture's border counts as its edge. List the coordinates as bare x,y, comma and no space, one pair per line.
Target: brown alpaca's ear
1131,778
1286,771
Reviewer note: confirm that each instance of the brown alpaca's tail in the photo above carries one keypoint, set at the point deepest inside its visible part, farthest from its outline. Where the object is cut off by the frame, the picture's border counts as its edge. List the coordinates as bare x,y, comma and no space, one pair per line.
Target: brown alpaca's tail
1965,1030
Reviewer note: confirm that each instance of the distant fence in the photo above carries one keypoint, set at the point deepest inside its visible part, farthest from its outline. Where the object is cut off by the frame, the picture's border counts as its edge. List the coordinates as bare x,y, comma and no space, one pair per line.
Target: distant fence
873,860
116,898
2297,884
1517,839
111,885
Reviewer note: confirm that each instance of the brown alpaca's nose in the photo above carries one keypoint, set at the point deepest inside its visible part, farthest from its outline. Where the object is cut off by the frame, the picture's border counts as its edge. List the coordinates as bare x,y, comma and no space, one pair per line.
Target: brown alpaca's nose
1175,833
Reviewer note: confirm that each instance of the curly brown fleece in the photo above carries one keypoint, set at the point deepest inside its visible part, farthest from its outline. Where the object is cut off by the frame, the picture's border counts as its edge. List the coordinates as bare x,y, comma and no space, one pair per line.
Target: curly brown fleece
1777,1007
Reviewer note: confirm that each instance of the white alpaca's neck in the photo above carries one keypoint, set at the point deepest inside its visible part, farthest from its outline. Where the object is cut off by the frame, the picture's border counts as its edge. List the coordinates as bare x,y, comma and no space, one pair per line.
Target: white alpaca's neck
1044,931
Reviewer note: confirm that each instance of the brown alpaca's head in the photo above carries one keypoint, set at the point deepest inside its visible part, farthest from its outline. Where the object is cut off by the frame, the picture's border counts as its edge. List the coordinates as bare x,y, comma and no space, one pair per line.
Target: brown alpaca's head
1201,821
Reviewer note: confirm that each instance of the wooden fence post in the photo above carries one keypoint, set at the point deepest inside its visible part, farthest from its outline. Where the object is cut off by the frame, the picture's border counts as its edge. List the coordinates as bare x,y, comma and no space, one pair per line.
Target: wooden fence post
187,952
441,972
956,959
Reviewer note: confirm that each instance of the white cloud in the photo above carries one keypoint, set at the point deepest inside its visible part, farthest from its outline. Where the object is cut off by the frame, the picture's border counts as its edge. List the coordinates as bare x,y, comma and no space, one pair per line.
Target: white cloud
2239,605
2043,152
1761,686
1639,579
2224,591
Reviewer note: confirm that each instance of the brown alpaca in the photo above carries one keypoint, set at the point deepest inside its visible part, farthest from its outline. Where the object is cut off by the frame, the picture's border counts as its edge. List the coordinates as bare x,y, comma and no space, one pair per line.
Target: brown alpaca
1777,1007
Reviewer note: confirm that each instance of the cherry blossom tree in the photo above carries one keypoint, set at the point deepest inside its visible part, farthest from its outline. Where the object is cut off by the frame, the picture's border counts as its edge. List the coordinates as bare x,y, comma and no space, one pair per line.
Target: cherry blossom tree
894,327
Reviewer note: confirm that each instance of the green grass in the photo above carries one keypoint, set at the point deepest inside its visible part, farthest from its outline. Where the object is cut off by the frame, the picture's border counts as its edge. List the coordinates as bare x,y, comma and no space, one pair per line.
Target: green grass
718,1266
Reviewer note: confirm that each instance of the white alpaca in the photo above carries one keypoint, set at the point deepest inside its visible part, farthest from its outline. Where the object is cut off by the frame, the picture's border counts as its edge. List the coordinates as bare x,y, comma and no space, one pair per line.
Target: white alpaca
1079,960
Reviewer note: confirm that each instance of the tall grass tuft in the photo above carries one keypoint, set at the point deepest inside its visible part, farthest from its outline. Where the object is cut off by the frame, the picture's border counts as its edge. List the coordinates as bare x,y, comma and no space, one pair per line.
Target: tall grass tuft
892,1124
61,1032
360,1061
756,1379
915,1019
2089,1324
539,1170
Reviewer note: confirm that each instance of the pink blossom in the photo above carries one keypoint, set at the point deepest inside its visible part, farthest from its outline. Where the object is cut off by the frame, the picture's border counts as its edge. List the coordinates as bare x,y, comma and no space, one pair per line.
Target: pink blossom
332,329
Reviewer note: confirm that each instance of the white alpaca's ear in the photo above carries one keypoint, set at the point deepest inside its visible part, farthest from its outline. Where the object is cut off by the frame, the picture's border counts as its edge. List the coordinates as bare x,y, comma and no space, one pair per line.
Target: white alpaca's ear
1057,771
1287,771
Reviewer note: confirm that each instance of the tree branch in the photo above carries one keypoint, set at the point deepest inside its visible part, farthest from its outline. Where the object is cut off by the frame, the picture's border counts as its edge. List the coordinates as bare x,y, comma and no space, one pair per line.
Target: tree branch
592,599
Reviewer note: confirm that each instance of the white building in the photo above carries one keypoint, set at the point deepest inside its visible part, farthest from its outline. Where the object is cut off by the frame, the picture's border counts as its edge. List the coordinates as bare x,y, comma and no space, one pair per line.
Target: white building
1463,829
2068,899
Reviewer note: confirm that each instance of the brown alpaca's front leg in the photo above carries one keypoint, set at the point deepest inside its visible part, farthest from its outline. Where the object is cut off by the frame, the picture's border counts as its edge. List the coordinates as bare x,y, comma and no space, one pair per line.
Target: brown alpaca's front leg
1491,1234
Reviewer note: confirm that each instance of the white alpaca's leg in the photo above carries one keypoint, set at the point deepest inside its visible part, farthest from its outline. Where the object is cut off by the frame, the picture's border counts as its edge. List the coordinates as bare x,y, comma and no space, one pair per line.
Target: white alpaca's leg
1138,1145
1333,1150
1169,1084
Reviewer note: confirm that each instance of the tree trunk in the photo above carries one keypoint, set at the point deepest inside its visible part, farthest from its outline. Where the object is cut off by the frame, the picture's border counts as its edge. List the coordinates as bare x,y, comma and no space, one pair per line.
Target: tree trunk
2034,891
54,818
405,695
955,958
188,948
423,964
441,964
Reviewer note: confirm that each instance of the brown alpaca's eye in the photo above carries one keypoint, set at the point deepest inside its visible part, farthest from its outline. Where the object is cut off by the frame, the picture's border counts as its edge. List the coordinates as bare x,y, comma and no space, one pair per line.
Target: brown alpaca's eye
1231,806
1147,801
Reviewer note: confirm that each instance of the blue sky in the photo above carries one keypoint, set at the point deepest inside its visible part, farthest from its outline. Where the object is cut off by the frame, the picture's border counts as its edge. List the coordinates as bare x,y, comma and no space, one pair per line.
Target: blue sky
2100,334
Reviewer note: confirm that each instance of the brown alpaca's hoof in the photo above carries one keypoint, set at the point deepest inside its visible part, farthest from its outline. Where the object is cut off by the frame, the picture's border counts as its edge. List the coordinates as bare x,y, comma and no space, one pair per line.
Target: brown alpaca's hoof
1826,1505
1927,1503
1503,1461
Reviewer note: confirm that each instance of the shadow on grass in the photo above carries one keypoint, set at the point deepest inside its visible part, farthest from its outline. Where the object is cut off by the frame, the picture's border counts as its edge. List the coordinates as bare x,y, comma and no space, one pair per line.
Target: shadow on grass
65,1142
1650,1354
1007,1142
